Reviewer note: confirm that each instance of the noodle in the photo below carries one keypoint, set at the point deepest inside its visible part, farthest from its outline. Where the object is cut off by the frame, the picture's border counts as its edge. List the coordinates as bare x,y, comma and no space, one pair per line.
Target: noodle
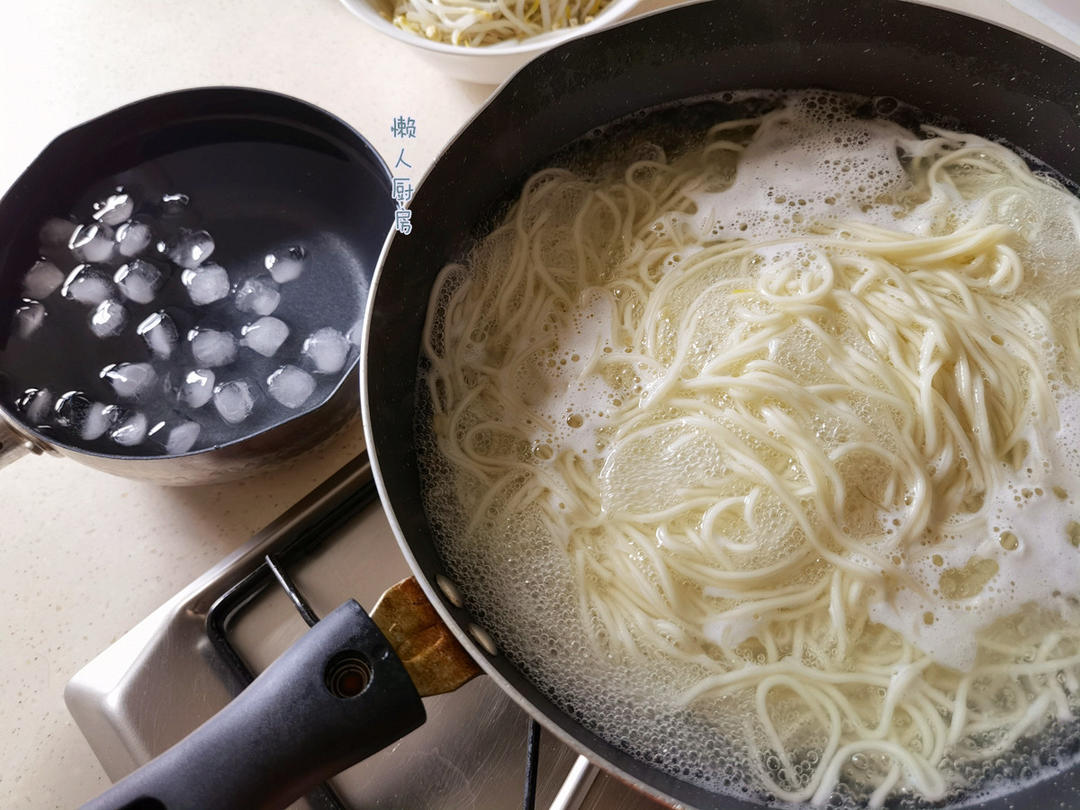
478,23
799,453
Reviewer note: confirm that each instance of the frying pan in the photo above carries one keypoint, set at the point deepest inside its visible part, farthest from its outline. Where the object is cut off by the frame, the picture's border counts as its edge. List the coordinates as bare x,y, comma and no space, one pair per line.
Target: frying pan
979,77
259,164
976,76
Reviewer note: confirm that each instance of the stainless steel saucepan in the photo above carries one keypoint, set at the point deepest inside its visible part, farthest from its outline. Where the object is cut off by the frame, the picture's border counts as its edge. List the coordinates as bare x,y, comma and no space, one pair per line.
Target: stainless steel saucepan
330,187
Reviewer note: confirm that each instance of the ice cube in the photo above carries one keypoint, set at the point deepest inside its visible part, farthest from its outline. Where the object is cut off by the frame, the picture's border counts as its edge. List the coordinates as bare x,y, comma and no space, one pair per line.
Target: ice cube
327,350
87,284
258,295
29,316
174,204
108,319
356,334
92,243
128,427
234,400
87,419
175,437
132,238
114,209
96,422
191,388
160,334
129,380
71,410
56,231
206,284
285,265
212,348
192,248
42,279
139,280
291,386
35,403
265,335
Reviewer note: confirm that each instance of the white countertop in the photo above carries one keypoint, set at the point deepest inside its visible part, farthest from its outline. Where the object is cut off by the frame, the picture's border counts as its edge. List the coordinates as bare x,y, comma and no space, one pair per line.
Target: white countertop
83,555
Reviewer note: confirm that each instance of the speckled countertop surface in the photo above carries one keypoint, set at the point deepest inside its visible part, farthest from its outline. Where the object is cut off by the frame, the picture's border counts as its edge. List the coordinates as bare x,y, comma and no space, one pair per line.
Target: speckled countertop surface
83,555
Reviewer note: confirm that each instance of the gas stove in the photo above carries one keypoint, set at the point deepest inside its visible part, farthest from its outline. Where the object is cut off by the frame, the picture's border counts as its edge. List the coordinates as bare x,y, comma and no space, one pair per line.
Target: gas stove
187,659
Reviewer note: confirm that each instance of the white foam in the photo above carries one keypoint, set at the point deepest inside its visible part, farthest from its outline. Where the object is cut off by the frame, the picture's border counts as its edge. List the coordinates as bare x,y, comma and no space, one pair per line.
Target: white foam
561,385
1043,568
812,162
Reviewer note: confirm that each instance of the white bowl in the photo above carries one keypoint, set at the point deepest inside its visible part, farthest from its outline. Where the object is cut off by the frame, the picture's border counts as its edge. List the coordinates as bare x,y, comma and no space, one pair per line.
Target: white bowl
492,63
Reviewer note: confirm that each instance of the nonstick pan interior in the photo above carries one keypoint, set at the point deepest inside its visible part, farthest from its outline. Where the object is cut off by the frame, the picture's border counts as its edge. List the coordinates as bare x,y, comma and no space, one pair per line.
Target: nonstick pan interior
262,171
982,78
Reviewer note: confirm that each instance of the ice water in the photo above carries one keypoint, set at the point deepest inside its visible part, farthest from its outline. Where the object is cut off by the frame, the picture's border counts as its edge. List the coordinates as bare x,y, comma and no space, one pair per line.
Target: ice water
152,322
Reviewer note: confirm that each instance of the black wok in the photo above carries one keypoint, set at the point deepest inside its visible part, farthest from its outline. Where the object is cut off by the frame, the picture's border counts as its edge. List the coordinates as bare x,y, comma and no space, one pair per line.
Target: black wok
981,78
293,726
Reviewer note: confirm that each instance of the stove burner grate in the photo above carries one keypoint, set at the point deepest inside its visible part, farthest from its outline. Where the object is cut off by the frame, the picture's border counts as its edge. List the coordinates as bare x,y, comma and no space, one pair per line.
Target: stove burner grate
273,571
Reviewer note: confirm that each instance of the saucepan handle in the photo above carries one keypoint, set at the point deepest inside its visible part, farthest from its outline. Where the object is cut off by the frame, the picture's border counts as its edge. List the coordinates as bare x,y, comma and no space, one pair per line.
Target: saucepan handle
14,445
335,697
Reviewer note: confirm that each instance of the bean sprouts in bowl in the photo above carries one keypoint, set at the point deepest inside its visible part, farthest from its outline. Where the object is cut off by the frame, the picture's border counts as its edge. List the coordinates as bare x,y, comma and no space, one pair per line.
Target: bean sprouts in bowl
490,64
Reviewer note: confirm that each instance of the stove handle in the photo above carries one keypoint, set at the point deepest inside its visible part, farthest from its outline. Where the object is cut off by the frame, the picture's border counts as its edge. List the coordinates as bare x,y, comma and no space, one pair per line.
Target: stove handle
338,695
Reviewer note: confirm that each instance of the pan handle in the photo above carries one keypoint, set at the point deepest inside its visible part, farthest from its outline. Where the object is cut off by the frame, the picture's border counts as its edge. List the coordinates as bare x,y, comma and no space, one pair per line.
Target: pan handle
15,444
338,695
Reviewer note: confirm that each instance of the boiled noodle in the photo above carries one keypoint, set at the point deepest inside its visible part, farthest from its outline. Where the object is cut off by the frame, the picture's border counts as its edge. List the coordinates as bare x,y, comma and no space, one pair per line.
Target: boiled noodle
476,23
763,458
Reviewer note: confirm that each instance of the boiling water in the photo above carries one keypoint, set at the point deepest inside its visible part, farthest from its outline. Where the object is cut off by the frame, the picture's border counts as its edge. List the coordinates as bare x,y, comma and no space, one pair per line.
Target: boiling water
816,163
